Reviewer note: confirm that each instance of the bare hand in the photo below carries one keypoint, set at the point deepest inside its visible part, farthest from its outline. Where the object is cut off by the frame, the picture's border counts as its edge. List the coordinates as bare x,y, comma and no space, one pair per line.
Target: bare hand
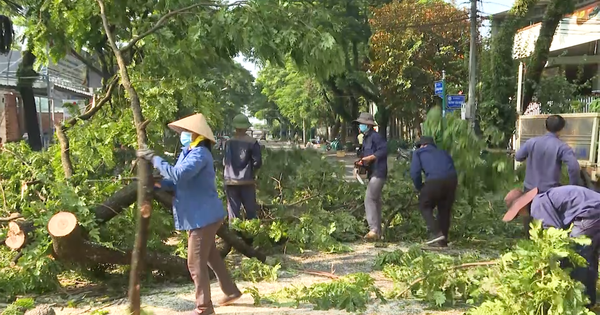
369,158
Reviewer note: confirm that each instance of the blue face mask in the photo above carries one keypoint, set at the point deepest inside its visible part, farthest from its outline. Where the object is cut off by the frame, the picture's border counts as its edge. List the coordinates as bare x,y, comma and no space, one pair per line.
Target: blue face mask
363,128
185,138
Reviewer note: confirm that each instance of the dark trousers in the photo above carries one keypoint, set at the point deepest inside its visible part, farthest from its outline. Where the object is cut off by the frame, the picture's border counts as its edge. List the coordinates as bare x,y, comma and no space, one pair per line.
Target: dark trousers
439,193
238,195
202,254
588,275
527,219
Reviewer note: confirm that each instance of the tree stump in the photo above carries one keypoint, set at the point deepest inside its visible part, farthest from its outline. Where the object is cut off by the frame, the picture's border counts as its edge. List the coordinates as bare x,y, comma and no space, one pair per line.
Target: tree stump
65,232
18,234
69,246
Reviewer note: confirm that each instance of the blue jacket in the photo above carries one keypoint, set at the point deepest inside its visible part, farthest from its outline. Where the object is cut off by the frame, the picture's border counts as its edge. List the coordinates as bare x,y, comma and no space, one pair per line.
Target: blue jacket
434,162
196,203
544,155
375,144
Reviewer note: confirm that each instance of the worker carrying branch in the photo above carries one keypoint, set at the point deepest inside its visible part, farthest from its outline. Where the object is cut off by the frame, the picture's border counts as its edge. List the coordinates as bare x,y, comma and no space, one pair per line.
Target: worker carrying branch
560,207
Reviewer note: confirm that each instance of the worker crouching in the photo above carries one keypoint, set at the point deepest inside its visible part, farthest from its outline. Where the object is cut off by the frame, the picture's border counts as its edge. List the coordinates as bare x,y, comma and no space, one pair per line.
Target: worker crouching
197,207
560,207
439,189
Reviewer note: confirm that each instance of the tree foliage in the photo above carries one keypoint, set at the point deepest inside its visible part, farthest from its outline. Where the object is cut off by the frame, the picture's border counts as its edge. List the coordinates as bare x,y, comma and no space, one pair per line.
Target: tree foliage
412,42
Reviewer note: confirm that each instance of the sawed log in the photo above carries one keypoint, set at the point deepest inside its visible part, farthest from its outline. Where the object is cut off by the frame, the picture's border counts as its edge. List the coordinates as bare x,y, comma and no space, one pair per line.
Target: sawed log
224,232
69,246
18,234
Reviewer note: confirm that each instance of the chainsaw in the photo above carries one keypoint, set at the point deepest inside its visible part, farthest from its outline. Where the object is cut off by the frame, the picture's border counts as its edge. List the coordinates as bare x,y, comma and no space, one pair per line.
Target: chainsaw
360,171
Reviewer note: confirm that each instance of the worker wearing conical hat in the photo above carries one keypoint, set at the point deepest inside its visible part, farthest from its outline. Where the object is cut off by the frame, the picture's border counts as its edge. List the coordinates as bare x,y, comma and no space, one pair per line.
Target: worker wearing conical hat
241,159
561,207
197,207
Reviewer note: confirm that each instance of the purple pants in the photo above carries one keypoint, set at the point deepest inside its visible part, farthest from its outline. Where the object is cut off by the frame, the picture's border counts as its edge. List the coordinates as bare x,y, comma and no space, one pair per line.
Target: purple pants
238,195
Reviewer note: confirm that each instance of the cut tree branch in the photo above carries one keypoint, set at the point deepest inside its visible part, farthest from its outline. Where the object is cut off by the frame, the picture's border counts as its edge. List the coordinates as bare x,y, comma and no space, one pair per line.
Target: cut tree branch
88,114
144,173
61,134
463,266
164,19
65,155
166,200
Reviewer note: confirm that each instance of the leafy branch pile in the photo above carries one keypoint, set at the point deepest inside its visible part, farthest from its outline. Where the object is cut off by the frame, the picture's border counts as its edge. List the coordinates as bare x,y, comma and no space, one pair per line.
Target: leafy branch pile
352,293
526,280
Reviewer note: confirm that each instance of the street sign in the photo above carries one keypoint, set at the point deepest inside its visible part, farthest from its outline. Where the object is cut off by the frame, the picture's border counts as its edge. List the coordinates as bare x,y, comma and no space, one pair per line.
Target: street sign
439,88
455,102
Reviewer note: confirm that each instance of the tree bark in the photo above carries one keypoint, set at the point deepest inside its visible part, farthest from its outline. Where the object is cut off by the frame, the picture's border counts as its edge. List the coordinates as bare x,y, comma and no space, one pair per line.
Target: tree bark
69,246
224,232
555,12
145,181
116,203
65,155
25,78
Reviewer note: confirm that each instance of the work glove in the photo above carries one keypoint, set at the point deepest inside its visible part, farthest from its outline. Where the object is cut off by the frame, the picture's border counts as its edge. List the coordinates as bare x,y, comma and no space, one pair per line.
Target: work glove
145,154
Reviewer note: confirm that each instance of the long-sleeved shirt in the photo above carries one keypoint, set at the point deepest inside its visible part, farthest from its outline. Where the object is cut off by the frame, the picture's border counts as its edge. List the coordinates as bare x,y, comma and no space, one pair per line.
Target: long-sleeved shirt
544,155
434,162
196,203
241,158
375,144
562,206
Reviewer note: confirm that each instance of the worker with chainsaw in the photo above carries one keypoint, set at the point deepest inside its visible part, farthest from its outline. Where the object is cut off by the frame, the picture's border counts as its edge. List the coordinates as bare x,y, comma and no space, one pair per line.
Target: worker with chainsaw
197,207
545,155
242,158
374,158
559,207
439,189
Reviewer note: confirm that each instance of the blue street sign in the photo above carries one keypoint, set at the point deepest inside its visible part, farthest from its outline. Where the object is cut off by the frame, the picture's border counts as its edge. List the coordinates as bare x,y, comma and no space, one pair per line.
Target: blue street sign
439,88
455,102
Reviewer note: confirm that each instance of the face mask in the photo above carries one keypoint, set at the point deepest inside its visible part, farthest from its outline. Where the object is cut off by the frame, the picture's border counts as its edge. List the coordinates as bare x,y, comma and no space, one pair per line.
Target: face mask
363,128
185,138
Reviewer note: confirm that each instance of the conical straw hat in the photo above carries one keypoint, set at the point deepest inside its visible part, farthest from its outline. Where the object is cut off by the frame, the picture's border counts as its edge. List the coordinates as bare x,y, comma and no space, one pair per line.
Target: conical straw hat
195,123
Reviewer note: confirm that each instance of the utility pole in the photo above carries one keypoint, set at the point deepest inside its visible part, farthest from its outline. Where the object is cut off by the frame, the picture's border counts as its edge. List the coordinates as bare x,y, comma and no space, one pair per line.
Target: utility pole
470,110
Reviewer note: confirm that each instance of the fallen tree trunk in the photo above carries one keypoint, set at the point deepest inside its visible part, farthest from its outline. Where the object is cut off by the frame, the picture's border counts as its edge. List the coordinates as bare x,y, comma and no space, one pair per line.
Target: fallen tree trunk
69,246
116,203
18,234
224,232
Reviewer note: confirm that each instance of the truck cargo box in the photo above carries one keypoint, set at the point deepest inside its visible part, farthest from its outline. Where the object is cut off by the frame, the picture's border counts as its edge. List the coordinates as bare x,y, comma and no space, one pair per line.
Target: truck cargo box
580,133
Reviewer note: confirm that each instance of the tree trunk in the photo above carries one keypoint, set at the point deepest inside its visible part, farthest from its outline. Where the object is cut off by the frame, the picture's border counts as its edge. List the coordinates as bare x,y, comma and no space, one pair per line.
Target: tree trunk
116,203
25,78
145,181
69,246
224,232
554,14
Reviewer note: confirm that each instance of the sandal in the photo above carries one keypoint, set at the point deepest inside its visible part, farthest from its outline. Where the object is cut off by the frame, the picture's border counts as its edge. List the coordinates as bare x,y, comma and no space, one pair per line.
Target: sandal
229,299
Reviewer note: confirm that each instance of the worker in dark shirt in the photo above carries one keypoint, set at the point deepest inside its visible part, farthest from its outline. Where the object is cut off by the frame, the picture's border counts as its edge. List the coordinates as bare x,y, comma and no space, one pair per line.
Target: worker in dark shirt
560,207
545,155
374,157
242,157
439,189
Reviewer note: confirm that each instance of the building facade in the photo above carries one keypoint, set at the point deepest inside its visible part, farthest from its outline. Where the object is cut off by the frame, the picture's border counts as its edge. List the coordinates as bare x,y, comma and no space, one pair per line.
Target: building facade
68,81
